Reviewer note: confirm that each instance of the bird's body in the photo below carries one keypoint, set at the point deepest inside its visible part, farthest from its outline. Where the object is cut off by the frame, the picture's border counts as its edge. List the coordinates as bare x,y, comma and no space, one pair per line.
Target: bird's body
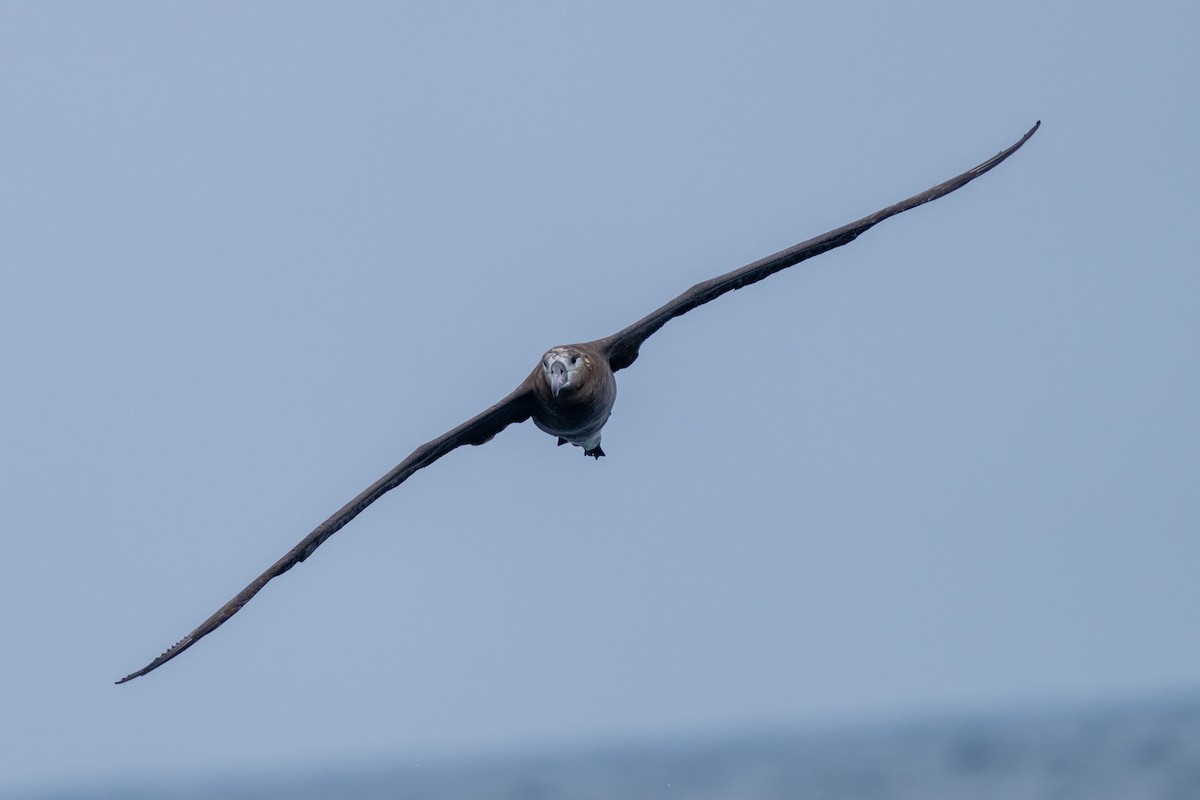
570,394
576,408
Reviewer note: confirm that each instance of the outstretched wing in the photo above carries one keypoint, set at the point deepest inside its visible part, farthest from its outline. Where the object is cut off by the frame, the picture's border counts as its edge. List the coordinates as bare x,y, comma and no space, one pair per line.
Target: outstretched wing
622,347
512,409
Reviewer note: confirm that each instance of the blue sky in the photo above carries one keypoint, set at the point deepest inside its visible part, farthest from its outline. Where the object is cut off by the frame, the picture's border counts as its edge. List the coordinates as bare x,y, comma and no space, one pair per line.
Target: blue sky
253,254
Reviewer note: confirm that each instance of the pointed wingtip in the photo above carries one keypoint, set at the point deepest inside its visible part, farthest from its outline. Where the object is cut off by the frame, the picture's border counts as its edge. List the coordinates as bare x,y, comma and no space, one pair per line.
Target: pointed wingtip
137,674
168,654
133,675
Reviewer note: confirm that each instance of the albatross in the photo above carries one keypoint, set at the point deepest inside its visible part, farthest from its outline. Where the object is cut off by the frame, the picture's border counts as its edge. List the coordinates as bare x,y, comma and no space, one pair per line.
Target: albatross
571,391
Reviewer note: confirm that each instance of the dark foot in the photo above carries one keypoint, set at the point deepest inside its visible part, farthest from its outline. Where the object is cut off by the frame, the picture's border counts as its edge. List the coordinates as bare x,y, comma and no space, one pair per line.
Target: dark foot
561,441
595,452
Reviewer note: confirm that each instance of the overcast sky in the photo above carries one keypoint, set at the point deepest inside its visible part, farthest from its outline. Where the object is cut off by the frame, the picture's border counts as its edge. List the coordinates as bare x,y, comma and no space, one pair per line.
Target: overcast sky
253,254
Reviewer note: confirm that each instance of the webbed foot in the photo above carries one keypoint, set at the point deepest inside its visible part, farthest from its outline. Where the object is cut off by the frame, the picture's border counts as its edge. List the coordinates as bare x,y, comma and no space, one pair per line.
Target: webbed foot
595,452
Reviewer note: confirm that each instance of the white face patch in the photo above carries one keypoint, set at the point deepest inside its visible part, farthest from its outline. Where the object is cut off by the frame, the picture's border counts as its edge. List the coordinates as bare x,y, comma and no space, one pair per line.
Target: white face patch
571,361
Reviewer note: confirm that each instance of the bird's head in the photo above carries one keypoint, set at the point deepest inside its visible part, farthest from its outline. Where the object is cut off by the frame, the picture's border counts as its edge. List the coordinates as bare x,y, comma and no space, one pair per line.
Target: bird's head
566,369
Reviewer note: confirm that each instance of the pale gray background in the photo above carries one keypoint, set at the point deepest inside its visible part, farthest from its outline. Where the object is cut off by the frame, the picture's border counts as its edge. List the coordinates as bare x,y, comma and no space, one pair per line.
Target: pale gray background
254,253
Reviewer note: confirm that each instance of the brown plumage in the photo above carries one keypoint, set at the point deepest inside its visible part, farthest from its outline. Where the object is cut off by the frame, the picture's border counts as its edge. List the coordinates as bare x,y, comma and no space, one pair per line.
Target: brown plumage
571,392
579,409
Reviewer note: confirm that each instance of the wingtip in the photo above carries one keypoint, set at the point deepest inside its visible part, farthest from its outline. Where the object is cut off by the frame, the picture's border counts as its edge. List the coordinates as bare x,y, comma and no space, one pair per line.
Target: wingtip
168,654
1037,124
137,674
1029,133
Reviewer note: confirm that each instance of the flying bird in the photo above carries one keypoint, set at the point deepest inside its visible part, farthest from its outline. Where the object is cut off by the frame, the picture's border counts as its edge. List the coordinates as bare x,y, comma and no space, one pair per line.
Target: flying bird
571,391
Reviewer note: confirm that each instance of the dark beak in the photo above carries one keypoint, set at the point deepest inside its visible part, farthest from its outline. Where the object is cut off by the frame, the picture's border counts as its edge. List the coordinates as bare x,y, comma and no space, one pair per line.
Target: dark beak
558,377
